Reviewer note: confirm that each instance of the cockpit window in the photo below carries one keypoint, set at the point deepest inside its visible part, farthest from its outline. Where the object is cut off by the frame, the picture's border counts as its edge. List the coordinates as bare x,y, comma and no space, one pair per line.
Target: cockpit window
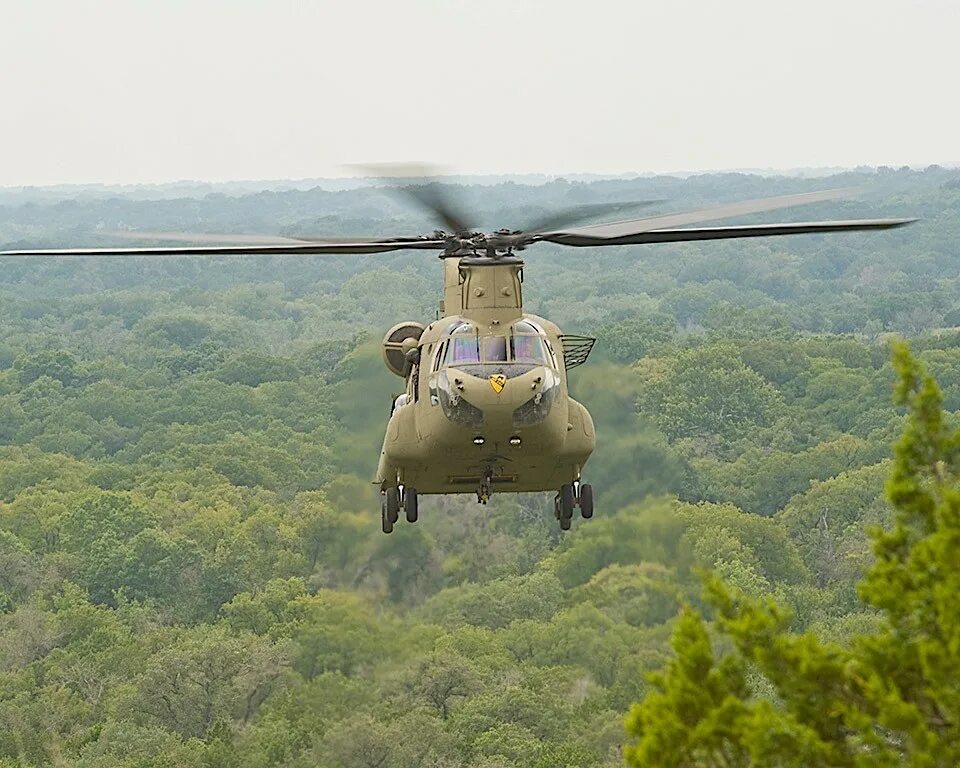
527,343
438,357
464,346
463,350
495,349
528,349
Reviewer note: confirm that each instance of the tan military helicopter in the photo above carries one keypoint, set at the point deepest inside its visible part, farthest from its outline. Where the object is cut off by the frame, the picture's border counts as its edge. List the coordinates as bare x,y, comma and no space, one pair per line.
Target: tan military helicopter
486,406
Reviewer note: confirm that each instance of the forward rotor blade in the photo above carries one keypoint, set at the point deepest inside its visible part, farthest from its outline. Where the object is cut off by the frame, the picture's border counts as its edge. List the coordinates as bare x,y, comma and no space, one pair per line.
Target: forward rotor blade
619,229
420,184
306,249
579,213
232,239
722,233
201,237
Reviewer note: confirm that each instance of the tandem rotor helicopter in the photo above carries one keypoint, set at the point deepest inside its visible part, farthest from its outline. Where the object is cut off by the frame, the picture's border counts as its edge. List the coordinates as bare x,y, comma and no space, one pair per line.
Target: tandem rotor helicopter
486,406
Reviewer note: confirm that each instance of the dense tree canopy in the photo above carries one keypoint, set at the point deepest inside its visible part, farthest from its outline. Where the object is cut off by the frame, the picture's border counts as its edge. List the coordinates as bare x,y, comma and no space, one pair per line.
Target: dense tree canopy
191,570
888,696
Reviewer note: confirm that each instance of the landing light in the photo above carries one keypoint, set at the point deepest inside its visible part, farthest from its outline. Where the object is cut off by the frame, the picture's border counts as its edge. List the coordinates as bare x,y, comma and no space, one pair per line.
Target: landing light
514,440
478,440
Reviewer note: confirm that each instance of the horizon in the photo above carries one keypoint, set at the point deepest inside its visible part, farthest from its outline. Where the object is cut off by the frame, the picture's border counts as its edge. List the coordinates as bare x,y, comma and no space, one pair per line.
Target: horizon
111,92
480,179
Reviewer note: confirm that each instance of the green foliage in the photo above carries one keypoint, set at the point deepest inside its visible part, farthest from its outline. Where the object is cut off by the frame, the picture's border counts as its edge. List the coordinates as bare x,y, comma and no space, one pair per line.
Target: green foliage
650,533
642,594
695,704
828,524
253,369
732,541
57,364
635,337
707,392
191,571
889,697
496,603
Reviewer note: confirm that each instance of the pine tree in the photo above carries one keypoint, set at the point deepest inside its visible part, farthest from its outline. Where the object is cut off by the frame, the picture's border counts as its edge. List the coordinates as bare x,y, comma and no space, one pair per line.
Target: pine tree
889,699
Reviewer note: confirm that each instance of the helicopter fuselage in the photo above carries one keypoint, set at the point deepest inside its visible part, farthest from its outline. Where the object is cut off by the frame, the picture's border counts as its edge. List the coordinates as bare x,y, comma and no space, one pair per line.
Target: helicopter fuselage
486,400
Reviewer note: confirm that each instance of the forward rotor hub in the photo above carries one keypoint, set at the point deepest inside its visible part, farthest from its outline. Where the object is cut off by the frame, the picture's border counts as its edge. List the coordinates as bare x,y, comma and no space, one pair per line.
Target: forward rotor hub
493,245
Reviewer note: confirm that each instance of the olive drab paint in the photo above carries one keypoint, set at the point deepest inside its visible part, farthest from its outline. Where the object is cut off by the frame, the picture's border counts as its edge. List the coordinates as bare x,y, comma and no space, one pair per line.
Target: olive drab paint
486,407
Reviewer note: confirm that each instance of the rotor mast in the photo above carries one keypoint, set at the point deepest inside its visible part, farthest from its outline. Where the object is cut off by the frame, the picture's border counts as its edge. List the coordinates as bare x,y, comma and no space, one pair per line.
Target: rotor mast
482,287
452,302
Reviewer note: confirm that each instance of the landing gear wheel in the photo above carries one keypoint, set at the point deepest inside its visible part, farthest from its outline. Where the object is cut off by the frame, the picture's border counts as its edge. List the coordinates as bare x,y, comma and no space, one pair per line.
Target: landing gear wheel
410,504
483,492
586,501
566,502
564,523
385,524
392,501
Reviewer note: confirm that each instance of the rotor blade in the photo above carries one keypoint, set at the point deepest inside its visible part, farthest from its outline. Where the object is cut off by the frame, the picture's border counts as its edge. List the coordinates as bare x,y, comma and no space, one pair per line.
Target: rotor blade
722,233
208,237
431,197
580,213
420,184
306,249
201,237
620,229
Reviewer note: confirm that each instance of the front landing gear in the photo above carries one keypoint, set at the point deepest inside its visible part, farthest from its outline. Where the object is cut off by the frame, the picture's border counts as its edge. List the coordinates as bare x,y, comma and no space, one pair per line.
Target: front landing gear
484,489
571,496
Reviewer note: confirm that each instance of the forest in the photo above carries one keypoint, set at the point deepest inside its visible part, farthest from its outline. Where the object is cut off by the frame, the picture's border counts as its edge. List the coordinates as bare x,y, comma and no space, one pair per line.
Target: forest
191,567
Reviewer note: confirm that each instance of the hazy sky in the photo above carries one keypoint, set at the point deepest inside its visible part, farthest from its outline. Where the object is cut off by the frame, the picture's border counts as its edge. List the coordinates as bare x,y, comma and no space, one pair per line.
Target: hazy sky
138,91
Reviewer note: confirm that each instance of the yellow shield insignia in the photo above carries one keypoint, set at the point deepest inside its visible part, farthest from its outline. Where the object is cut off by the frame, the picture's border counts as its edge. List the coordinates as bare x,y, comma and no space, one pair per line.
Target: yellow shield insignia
498,382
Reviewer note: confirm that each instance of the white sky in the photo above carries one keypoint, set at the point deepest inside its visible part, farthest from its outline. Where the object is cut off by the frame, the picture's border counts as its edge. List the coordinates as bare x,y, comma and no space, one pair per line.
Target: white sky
130,91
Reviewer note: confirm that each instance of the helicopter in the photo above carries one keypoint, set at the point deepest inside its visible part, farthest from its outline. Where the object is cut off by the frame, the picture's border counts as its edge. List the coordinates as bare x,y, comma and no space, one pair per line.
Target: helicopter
486,406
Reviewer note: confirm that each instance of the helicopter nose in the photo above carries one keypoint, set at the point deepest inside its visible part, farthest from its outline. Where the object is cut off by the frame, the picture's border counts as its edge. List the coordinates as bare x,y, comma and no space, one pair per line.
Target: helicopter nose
498,395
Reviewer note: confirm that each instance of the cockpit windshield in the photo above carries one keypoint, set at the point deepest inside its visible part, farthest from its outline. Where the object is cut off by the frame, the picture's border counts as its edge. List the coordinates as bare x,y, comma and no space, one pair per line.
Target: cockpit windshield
463,346
525,344
529,349
463,349
495,349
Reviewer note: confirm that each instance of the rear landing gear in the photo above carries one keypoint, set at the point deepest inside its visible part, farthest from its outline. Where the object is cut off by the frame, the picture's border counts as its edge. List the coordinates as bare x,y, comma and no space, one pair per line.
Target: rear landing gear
385,525
389,509
569,497
586,501
563,504
391,500
410,504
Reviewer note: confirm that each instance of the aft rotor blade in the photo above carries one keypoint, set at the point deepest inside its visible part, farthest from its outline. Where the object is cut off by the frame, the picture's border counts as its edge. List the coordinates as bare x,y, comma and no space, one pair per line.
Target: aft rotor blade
619,229
722,233
579,213
305,249
419,182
